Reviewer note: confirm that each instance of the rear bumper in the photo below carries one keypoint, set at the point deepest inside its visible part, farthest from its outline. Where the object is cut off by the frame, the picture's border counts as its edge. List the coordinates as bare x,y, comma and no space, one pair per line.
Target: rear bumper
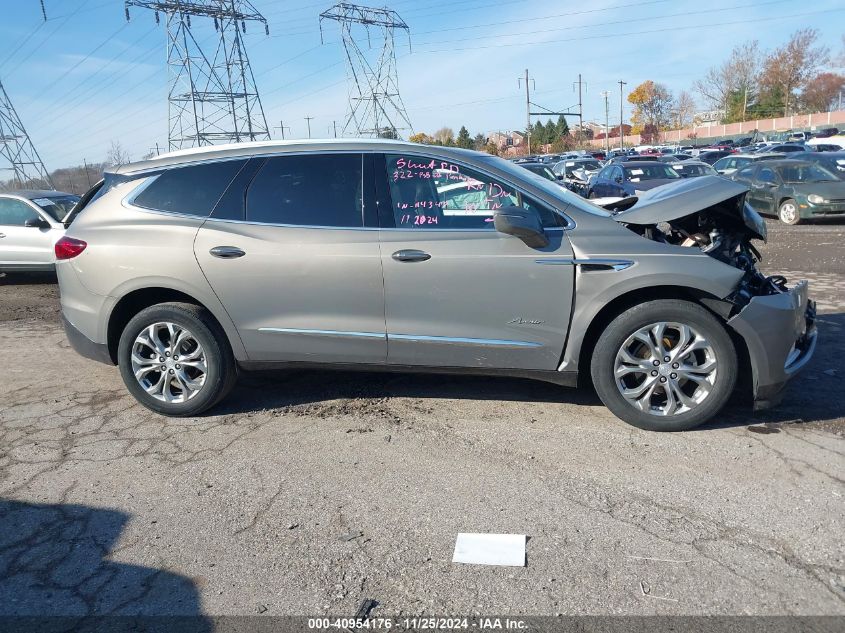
85,346
780,333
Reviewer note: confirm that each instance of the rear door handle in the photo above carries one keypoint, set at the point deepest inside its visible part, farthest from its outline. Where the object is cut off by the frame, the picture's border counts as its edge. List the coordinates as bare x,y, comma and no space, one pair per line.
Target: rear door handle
227,252
2,235
411,255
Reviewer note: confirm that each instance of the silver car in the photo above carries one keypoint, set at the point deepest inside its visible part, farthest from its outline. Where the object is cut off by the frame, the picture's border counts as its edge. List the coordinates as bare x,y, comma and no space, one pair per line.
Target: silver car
31,222
187,268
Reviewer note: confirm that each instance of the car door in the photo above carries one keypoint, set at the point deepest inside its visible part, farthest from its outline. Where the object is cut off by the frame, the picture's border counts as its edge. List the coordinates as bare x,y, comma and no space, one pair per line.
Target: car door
20,245
602,180
457,292
764,190
295,265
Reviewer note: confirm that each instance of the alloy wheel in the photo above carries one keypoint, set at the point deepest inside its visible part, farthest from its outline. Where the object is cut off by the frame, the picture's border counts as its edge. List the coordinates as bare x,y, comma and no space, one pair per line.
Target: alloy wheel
168,362
665,368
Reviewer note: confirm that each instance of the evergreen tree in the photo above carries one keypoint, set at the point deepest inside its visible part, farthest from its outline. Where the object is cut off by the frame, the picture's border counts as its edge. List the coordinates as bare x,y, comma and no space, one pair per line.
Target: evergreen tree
562,126
464,139
551,132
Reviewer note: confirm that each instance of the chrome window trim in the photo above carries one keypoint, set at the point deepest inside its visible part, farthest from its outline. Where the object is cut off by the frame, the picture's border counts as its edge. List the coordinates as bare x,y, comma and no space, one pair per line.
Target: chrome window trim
128,201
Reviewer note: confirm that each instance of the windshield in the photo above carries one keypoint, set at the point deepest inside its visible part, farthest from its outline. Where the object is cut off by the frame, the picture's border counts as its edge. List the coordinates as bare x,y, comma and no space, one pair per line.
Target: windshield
806,173
57,206
649,172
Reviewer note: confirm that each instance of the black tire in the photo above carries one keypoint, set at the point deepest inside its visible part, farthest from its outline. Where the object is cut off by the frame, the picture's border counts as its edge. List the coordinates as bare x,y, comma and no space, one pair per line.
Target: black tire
221,368
629,322
788,213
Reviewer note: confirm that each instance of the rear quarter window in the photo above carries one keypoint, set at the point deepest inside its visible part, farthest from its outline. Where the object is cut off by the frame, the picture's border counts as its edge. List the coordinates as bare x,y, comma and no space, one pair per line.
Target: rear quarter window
191,190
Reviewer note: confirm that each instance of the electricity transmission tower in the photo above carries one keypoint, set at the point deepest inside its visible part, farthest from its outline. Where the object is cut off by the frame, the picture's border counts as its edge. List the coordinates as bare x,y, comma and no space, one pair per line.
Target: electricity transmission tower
212,98
375,106
17,148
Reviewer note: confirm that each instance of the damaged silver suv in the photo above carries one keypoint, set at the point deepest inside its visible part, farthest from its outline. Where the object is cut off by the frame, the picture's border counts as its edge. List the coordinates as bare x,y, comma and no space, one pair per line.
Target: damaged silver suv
385,255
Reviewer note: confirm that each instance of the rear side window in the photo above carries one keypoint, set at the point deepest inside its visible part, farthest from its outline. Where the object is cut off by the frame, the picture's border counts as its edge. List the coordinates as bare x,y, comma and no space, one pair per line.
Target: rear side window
192,190
15,213
308,190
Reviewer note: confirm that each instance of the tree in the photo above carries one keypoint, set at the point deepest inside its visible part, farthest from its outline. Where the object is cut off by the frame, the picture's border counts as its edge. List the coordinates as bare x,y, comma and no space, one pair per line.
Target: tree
652,106
479,142
538,134
684,109
116,154
733,85
562,127
789,67
491,148
821,93
444,136
421,137
464,139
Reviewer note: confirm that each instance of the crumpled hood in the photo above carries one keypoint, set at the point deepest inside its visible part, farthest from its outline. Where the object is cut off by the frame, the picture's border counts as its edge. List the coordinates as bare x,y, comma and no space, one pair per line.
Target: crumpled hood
679,199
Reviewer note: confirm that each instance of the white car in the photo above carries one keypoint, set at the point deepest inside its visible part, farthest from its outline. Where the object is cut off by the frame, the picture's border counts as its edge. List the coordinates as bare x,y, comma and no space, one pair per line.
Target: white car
31,222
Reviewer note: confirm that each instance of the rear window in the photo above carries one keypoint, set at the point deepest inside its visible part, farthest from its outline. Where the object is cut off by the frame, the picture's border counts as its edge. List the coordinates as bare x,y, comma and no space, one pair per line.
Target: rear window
192,190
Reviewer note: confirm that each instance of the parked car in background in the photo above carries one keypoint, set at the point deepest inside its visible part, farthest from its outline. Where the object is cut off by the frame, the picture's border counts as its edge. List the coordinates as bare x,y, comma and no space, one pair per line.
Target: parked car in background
576,174
834,162
793,190
630,178
669,158
693,169
166,272
729,164
712,156
627,158
31,222
541,169
788,148
827,147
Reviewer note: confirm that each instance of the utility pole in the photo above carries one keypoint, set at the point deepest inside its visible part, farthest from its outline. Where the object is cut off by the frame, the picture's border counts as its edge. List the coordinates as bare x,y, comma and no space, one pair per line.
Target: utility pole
334,128
87,175
375,105
308,120
621,103
212,98
16,148
580,110
606,94
527,108
282,127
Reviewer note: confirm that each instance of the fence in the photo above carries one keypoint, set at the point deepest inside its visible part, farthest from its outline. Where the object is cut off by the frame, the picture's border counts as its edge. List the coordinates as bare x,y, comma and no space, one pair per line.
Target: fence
719,130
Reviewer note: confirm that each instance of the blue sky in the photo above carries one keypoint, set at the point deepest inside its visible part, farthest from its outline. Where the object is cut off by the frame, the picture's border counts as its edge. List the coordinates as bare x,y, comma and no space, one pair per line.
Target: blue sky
86,77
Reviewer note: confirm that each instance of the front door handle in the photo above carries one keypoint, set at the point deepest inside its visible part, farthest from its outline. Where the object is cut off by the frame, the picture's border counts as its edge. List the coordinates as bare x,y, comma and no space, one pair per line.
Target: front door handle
227,252
411,255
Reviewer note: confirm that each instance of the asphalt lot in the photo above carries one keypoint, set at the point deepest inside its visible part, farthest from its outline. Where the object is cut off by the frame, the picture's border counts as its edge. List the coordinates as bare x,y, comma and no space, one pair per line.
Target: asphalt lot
307,492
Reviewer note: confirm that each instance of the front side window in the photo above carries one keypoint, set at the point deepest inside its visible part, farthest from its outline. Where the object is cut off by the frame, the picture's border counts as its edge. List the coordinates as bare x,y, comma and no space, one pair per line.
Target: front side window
191,190
15,213
438,194
308,190
767,175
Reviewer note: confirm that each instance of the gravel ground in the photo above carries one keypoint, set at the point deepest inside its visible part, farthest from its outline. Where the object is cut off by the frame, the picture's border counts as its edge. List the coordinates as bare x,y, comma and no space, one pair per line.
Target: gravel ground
307,492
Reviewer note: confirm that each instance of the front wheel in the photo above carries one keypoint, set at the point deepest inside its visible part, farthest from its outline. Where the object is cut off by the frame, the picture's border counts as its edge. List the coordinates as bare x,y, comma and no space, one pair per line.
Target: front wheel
175,359
665,365
788,212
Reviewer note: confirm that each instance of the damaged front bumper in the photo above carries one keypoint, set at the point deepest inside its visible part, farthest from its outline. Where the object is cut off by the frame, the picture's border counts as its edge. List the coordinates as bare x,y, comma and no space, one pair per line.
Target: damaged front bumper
780,333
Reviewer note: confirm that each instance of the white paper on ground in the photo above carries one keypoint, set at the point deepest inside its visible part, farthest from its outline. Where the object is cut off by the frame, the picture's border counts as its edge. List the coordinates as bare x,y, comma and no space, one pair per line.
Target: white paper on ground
490,549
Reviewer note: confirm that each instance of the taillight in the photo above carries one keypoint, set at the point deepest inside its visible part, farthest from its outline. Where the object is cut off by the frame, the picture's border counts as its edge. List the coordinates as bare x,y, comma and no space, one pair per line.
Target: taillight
68,248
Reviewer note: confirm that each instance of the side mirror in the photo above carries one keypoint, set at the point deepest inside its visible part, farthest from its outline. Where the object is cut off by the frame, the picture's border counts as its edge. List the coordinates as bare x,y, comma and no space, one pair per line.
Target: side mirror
521,223
37,223
618,179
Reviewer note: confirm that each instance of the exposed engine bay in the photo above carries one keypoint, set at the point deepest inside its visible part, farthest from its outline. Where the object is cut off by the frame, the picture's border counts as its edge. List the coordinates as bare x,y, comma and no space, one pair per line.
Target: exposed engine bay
719,222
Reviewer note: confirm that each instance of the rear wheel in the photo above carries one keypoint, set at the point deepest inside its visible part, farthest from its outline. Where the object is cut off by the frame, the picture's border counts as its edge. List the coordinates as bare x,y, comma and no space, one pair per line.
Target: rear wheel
175,359
788,212
666,365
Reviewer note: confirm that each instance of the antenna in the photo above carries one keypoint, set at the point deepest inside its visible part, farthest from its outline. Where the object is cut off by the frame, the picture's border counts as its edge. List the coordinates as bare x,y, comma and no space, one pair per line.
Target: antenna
375,106
211,98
